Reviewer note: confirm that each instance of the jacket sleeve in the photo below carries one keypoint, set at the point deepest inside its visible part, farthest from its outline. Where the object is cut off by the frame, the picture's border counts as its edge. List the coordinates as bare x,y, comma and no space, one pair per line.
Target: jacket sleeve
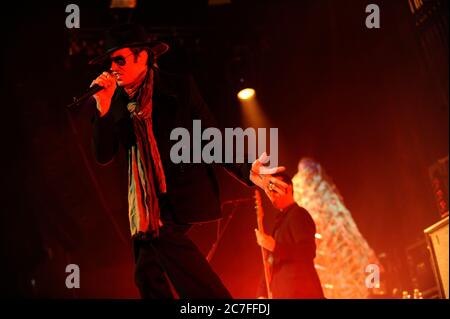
105,141
200,110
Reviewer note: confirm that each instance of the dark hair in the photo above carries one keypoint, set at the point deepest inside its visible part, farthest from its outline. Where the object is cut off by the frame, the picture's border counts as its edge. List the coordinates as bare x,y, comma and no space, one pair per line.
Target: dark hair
137,50
284,177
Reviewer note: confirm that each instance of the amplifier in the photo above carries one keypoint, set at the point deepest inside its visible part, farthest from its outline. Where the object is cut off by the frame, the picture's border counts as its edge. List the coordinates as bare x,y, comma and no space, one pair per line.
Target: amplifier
437,239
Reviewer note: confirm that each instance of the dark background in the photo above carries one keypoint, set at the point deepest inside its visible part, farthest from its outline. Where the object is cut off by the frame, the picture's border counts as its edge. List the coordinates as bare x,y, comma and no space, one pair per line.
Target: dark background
370,105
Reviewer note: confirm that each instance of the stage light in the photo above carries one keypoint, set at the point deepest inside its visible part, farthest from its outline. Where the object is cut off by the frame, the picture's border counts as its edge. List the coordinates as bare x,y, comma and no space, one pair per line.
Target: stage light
123,4
246,94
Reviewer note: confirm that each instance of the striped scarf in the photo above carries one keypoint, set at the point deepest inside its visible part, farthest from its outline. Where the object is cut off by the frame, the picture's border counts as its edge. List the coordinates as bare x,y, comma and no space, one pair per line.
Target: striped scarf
146,177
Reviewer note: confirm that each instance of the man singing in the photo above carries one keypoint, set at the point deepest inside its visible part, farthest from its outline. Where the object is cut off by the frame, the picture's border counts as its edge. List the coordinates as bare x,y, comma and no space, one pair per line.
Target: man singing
139,107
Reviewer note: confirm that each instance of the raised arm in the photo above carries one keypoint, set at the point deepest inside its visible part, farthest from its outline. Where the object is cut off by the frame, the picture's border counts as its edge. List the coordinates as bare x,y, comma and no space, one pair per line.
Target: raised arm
105,141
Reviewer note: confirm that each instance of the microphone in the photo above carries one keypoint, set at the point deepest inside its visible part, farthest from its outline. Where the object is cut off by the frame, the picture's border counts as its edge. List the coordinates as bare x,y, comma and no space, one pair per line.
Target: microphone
91,91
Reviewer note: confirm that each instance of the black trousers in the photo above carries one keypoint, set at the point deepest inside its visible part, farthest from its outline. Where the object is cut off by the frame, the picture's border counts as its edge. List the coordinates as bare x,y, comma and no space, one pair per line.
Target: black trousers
171,266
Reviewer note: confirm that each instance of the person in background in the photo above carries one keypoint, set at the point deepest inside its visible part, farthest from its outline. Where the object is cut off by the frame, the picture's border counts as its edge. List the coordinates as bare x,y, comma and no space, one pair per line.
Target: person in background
292,249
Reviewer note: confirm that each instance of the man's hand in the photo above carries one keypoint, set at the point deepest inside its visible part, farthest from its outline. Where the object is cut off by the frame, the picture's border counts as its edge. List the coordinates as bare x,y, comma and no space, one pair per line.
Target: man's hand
262,176
103,97
265,240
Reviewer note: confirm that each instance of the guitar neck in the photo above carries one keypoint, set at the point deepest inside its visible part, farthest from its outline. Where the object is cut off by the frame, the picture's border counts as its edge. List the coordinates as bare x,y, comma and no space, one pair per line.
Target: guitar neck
264,252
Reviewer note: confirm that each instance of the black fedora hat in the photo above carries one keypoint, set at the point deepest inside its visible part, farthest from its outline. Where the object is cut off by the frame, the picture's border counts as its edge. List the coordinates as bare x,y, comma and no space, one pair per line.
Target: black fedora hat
128,36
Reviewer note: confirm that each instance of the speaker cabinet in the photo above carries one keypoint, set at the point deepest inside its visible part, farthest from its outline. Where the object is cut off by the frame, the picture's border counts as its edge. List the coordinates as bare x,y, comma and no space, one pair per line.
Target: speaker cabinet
437,239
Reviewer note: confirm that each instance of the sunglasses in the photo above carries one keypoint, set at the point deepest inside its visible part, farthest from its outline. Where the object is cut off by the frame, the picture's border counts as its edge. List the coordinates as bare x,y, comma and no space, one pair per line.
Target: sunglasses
120,60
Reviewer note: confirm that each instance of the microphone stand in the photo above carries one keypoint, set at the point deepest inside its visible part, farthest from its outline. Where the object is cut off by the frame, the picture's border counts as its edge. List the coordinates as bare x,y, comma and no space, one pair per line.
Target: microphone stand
221,232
